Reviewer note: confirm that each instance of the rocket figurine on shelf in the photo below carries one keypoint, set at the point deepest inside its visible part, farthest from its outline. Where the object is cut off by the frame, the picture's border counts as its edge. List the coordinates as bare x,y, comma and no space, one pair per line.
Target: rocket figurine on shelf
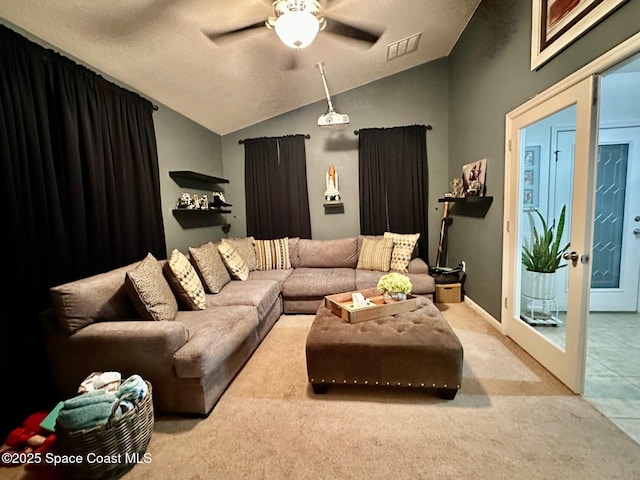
332,193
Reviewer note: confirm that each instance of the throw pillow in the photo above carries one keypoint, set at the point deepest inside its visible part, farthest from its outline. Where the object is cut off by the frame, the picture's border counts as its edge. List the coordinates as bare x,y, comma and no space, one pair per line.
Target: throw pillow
233,261
403,245
272,254
209,265
149,291
375,254
245,248
184,281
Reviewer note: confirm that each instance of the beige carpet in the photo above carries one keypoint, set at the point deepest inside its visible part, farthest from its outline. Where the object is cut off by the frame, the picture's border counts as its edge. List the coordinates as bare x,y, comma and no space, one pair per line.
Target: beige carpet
510,420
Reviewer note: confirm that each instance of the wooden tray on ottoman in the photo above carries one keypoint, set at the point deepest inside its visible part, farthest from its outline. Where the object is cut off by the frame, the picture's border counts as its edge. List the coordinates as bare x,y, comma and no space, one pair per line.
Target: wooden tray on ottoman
341,304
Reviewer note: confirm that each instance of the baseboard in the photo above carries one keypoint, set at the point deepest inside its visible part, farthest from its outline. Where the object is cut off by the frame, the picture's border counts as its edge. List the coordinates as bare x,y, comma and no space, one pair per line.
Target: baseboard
484,314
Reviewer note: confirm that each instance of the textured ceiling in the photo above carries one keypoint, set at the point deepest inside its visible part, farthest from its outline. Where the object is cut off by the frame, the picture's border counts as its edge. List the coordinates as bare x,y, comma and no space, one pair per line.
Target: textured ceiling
158,48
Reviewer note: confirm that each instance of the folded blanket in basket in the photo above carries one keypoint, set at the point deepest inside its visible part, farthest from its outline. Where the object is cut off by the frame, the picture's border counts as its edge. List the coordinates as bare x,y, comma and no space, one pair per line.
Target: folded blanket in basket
87,410
133,388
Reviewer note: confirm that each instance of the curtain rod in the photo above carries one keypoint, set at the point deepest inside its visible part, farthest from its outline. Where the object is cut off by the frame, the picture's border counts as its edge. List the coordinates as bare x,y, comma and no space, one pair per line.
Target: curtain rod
428,127
242,140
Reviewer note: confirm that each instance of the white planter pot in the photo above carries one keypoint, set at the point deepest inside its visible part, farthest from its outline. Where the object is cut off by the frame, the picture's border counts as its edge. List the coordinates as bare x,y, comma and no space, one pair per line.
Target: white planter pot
538,285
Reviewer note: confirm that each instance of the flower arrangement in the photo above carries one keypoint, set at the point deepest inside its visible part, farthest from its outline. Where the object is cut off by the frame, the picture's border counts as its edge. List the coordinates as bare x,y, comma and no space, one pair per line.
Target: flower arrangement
395,282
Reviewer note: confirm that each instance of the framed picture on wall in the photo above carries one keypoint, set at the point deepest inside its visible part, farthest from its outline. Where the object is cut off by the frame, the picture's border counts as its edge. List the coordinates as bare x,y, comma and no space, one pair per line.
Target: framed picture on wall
558,23
474,177
530,177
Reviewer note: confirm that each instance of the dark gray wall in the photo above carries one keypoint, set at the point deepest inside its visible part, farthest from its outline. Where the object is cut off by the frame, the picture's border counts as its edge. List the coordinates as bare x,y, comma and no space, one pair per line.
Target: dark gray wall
489,72
417,96
185,145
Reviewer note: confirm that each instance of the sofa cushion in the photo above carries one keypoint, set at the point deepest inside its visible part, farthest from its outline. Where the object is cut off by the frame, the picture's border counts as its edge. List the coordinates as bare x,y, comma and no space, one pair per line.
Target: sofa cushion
375,254
209,265
214,334
421,284
294,256
272,254
97,298
278,275
233,261
261,294
184,281
318,282
403,246
367,278
245,247
341,253
150,292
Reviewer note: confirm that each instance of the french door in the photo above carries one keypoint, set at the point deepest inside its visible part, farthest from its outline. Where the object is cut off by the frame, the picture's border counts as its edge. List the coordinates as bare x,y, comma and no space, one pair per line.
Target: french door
529,192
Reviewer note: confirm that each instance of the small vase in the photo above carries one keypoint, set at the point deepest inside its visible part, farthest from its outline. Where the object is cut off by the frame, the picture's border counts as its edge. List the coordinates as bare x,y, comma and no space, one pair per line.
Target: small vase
390,297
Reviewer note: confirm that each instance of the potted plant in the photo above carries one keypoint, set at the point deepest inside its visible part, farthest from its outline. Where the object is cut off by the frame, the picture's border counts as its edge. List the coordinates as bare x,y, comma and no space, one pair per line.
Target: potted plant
395,286
541,258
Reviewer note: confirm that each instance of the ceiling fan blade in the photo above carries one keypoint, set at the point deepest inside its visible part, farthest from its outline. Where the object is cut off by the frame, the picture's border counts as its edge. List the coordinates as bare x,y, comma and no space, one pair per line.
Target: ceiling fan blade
226,36
368,35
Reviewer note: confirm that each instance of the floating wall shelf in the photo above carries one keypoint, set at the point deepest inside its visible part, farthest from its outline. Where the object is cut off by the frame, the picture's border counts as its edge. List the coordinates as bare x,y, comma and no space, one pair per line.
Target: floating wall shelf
197,218
468,206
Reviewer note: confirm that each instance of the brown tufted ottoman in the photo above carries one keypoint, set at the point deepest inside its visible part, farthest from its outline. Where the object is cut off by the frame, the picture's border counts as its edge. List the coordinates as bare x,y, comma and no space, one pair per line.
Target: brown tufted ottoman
411,349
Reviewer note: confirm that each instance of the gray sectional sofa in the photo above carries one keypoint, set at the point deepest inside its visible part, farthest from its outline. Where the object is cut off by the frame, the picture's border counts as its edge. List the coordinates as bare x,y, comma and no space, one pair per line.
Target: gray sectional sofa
190,361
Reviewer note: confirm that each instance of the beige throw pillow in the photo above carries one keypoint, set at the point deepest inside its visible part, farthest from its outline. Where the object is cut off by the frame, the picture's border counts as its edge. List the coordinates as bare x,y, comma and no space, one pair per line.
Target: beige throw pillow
375,254
184,281
245,248
233,261
403,245
272,254
209,265
149,291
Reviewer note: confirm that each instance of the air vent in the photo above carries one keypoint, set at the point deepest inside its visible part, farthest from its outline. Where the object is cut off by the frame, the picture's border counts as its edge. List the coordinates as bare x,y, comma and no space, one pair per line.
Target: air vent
404,46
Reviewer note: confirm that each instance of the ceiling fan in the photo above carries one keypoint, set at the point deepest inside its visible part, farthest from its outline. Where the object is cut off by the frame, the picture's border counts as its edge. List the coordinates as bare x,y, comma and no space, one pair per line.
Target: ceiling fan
297,22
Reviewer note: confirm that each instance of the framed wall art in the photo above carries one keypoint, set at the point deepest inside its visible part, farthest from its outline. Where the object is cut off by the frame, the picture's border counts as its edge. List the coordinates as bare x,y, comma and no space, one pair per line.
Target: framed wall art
474,177
558,23
531,177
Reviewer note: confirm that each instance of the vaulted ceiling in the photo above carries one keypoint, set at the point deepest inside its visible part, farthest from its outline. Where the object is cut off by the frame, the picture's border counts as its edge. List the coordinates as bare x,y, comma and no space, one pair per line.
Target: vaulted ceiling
163,49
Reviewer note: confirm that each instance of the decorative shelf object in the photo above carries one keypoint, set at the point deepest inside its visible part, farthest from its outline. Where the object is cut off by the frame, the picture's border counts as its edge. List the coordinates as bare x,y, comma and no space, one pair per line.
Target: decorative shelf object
198,217
468,206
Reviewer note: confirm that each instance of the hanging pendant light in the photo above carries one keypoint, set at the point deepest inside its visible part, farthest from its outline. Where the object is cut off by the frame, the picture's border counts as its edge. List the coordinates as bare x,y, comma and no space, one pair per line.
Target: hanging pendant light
297,29
296,22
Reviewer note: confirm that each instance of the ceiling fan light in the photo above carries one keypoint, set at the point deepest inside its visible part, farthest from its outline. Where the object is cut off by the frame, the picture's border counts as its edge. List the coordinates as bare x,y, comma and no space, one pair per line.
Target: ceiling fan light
297,29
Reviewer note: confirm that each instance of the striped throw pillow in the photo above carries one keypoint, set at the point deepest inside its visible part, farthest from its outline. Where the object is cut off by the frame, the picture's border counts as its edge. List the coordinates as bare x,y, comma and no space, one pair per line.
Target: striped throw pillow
403,245
272,254
375,254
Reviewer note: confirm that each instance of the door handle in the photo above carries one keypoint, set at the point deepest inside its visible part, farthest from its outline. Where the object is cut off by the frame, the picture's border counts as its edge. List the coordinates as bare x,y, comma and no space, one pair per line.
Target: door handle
573,256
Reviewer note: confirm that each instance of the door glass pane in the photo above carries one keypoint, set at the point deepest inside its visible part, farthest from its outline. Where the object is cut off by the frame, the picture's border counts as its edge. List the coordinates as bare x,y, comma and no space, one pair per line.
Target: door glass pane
546,185
609,215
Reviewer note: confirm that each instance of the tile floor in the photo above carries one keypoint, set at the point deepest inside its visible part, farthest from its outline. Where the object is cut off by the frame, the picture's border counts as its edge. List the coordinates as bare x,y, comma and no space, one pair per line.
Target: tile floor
612,382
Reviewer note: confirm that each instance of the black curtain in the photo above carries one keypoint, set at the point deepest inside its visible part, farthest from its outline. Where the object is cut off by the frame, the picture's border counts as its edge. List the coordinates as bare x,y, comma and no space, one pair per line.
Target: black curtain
392,165
276,187
81,195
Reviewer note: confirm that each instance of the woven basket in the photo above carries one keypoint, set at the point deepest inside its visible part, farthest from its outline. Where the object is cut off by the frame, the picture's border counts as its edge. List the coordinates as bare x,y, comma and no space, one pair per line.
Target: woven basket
112,449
